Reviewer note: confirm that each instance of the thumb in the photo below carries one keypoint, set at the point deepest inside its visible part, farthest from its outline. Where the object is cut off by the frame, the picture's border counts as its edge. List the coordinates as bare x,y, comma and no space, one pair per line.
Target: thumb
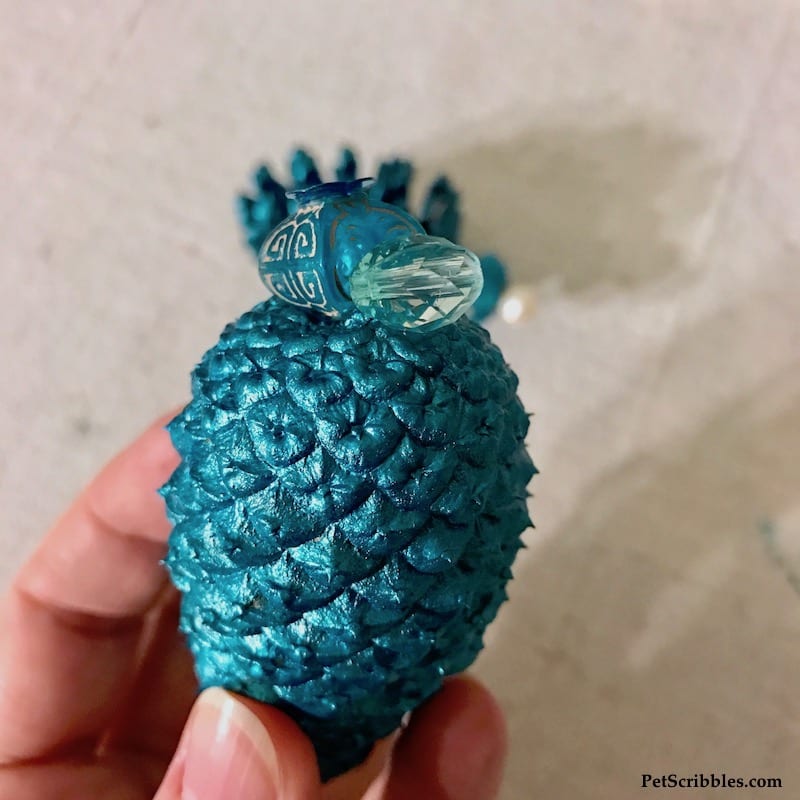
234,748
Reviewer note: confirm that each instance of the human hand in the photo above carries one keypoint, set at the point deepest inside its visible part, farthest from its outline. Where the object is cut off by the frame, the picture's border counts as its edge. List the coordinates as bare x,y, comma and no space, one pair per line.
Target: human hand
98,698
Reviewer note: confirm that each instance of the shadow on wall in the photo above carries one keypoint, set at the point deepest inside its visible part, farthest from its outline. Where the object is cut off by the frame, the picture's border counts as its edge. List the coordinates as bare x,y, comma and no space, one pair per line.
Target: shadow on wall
655,630
585,208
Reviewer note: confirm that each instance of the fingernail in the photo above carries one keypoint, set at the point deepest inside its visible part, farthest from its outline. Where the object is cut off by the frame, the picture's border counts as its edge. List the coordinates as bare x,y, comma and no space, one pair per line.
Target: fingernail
472,754
230,755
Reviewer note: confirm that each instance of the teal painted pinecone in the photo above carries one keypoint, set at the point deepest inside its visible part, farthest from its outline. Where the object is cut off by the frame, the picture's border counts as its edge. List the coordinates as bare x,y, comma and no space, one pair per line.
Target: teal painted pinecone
347,509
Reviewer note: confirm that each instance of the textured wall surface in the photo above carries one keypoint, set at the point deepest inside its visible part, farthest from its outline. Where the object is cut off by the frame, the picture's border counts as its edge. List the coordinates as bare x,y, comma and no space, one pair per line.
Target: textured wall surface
636,161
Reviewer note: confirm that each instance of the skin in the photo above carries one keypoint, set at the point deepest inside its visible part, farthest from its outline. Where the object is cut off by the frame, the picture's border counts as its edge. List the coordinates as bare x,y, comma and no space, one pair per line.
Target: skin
98,698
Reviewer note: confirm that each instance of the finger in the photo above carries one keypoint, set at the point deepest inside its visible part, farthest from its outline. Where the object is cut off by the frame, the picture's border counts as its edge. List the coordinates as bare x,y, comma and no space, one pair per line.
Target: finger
102,557
79,779
453,749
234,747
165,689
73,618
356,781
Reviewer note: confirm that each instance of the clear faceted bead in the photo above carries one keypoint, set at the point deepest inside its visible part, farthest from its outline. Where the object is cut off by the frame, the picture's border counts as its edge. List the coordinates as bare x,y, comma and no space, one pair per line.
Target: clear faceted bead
420,282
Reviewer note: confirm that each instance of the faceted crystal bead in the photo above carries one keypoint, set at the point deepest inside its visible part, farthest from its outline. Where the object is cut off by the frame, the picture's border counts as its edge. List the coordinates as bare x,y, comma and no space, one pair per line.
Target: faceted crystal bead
422,282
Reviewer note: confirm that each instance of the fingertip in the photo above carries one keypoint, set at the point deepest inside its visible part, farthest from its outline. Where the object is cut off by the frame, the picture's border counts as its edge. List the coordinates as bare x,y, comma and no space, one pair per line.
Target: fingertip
238,747
295,754
478,734
233,746
125,496
454,747
465,691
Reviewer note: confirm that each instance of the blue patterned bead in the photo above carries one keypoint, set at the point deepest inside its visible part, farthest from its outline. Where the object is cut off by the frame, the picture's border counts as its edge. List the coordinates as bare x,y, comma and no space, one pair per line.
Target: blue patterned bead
307,260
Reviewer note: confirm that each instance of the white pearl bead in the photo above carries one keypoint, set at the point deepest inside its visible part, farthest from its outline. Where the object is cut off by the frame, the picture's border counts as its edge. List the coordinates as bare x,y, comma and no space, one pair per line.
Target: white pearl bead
518,304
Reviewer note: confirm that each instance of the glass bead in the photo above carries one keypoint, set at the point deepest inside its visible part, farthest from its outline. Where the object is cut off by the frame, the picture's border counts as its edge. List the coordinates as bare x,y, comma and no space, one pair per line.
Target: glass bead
422,282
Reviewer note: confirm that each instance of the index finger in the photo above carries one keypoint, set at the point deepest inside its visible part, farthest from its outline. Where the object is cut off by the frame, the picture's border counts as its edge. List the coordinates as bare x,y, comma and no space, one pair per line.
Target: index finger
102,556
73,617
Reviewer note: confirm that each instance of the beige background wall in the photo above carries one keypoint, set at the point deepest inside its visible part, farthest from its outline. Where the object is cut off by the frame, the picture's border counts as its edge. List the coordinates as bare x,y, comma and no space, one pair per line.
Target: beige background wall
637,161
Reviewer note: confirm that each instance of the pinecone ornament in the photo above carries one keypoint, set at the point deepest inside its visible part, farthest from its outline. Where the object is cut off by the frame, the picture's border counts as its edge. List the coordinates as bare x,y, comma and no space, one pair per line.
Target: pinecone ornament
346,512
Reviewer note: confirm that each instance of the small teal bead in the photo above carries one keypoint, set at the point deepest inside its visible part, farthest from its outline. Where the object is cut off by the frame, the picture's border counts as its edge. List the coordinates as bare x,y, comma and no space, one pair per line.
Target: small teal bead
494,284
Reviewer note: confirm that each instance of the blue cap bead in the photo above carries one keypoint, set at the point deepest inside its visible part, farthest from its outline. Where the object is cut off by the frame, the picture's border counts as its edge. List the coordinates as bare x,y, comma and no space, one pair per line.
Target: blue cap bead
342,249
308,258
